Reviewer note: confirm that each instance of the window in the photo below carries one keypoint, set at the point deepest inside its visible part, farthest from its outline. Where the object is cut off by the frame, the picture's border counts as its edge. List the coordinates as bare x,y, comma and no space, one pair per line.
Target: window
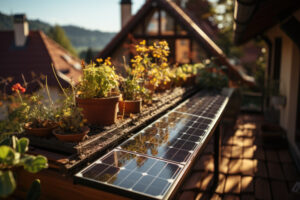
152,24
167,24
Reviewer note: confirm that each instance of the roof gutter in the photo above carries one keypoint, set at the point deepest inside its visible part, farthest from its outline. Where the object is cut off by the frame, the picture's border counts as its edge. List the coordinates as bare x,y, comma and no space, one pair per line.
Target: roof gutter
243,12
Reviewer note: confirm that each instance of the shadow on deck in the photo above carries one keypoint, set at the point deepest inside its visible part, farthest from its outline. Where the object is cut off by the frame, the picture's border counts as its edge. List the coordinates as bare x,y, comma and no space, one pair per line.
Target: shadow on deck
247,169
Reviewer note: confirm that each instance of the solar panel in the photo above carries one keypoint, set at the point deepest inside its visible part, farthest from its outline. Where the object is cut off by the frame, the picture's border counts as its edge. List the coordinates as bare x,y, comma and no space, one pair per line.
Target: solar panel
145,176
174,137
202,105
151,161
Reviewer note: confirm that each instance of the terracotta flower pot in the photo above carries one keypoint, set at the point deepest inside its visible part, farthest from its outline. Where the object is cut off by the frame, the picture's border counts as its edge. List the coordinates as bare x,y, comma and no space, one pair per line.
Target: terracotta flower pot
130,106
41,132
73,137
100,111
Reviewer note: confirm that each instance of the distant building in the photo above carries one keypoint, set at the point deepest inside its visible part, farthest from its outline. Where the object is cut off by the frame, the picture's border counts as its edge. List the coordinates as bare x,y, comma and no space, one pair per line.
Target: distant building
189,42
32,52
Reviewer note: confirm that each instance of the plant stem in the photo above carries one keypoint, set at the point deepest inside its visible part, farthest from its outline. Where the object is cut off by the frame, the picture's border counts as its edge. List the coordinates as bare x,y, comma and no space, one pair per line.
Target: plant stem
54,72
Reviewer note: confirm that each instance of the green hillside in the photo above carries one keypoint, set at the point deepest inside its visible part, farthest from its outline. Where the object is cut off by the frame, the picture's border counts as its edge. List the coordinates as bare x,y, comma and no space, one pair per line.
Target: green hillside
80,38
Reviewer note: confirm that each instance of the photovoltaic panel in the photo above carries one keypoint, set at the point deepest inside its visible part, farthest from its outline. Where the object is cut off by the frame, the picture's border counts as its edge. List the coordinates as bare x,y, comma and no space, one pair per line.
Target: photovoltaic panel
205,105
149,163
139,174
174,137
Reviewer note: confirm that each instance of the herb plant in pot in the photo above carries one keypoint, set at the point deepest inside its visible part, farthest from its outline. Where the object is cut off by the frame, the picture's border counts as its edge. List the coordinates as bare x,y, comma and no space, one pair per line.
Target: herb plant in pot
97,93
71,123
39,116
132,94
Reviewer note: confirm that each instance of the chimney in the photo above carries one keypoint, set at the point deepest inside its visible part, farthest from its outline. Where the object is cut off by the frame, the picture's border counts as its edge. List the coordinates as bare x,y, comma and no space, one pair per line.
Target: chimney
21,29
125,12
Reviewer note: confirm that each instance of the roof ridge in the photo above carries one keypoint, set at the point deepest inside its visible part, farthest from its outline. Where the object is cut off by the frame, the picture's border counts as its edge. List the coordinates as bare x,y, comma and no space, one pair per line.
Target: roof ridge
184,20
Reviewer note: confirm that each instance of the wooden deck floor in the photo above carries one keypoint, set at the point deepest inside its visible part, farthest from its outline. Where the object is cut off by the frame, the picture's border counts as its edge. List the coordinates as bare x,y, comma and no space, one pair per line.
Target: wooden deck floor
247,169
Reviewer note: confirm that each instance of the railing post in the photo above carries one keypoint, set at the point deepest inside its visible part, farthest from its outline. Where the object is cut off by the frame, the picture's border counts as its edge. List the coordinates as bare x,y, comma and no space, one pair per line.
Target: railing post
217,155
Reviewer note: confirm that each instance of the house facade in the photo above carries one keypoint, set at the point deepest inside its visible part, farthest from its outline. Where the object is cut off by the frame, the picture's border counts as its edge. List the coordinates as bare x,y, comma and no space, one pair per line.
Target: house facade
189,42
280,29
31,53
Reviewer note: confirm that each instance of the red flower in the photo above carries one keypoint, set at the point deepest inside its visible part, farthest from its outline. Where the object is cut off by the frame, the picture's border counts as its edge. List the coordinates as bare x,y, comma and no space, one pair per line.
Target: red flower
17,87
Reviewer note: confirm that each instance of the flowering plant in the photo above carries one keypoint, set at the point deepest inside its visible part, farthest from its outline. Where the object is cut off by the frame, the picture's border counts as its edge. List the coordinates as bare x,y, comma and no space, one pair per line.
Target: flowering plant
14,111
37,112
98,80
70,118
131,86
151,63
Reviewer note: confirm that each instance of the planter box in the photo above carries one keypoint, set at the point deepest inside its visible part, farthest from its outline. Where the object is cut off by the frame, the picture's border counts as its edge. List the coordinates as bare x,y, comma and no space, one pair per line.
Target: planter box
100,138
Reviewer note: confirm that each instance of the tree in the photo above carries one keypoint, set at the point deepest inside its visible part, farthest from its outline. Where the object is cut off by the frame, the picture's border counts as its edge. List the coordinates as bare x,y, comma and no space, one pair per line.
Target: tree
59,36
89,55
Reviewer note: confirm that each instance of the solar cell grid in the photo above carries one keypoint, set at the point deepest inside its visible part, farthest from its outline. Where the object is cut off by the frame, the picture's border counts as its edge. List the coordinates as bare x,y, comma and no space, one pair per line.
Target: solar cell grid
149,162
205,106
174,137
141,174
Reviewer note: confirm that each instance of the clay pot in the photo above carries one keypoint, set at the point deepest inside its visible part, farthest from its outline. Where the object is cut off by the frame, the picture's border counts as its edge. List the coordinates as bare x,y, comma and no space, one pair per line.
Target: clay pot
73,137
41,132
130,106
100,111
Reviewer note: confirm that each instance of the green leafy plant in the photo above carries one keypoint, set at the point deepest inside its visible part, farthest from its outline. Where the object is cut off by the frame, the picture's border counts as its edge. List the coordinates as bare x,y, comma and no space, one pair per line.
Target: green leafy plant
69,117
131,86
132,90
212,80
99,80
13,155
14,111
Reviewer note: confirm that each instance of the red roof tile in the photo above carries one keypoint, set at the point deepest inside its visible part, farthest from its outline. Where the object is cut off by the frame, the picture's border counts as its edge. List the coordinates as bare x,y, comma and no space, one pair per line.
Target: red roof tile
36,56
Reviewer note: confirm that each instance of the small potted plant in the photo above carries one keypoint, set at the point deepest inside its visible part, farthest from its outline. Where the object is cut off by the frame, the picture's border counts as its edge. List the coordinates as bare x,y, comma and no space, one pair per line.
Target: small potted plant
181,76
39,117
98,94
132,93
71,123
167,79
153,63
212,80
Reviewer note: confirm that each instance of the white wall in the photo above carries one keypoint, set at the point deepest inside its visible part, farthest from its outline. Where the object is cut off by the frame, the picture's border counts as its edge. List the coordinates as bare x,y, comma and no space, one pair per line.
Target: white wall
289,81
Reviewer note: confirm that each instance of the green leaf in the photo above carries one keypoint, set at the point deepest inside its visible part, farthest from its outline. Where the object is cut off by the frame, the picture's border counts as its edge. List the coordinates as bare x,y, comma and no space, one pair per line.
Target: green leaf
34,191
7,183
34,164
22,145
7,155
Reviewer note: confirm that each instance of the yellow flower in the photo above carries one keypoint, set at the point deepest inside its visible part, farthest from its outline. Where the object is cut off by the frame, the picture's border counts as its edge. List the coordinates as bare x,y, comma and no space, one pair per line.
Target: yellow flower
107,61
99,60
143,42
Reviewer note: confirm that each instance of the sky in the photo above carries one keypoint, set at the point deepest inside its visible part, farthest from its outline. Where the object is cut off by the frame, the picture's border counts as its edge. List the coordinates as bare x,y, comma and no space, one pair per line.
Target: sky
101,15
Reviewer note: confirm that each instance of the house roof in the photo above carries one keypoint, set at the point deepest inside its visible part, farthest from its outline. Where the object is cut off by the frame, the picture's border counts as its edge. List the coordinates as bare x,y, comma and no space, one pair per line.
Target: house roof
184,20
36,56
255,17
